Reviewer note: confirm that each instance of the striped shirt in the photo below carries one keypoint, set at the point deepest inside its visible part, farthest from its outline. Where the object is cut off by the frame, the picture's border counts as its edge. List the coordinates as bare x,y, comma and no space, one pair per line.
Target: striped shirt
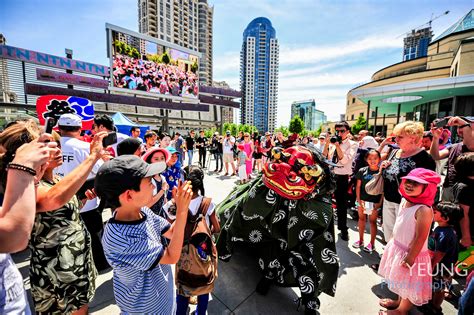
134,249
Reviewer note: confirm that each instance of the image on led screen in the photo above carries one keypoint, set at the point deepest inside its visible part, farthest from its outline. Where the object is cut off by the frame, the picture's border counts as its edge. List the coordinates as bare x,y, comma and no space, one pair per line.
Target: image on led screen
142,65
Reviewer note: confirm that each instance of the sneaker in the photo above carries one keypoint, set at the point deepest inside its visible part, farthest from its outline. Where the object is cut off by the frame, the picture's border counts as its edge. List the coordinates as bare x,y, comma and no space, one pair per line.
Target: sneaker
358,244
369,248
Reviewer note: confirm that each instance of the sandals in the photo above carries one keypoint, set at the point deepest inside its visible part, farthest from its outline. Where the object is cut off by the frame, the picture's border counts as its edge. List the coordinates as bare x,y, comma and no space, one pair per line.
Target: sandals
389,303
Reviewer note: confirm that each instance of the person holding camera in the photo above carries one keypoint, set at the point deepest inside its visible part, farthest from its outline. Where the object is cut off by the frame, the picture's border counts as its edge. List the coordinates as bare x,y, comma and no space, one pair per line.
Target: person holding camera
216,149
342,153
227,147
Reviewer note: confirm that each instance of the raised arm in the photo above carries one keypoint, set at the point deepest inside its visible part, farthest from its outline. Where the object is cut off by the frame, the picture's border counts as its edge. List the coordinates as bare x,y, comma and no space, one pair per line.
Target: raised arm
182,196
53,198
18,212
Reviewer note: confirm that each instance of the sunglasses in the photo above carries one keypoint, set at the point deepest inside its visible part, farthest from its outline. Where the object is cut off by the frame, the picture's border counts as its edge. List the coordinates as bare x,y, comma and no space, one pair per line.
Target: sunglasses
340,130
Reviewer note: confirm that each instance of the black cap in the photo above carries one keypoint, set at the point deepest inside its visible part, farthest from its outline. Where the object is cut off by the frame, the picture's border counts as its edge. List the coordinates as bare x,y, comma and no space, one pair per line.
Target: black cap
122,173
128,146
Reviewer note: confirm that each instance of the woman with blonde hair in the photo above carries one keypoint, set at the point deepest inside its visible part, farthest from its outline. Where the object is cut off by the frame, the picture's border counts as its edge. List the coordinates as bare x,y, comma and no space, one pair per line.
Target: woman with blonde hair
398,163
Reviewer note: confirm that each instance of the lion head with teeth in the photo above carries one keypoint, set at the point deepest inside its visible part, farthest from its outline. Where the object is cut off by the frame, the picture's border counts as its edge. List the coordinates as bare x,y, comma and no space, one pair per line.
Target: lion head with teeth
296,172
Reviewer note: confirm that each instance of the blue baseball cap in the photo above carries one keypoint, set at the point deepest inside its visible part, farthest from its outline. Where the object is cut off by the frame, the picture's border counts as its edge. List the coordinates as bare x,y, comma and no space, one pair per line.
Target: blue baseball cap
172,150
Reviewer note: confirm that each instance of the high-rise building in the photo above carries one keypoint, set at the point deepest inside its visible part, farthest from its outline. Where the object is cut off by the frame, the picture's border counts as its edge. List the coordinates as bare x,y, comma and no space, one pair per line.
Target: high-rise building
187,23
6,95
205,21
307,111
415,44
259,75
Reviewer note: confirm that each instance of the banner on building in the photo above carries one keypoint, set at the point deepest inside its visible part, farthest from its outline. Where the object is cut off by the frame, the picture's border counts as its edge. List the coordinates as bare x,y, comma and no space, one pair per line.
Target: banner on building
56,105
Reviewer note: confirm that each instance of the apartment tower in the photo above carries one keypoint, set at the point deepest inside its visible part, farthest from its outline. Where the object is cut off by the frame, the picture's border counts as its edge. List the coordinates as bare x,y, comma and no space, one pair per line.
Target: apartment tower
259,75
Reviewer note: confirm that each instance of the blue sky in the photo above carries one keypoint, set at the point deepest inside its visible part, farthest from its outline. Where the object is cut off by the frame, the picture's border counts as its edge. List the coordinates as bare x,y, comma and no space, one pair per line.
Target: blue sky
326,47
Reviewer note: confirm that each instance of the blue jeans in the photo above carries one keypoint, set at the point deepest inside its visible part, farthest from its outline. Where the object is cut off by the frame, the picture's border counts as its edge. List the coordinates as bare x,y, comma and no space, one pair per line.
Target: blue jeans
466,302
190,157
182,303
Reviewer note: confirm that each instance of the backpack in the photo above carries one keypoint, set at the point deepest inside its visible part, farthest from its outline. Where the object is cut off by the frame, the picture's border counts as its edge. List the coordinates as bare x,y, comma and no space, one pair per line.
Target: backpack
196,270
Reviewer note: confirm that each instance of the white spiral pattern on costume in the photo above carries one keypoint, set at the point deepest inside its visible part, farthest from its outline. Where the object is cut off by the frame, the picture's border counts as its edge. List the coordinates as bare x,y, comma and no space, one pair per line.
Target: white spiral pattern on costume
327,235
274,264
261,263
310,247
292,204
305,234
255,236
271,197
249,218
292,222
306,285
298,255
225,256
236,239
280,215
321,276
326,218
328,256
280,279
283,244
252,192
312,215
290,261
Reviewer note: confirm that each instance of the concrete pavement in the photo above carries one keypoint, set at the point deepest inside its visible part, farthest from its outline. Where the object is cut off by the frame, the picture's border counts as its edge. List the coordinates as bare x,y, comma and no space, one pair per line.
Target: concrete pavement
358,287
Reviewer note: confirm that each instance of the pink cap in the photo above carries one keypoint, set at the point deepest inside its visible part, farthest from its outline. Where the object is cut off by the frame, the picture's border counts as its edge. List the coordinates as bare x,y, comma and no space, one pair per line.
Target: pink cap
153,150
423,176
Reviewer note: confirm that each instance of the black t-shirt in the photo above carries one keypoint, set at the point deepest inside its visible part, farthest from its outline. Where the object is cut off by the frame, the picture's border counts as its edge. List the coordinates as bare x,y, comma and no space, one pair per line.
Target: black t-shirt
189,142
454,151
400,167
464,194
202,141
444,239
365,174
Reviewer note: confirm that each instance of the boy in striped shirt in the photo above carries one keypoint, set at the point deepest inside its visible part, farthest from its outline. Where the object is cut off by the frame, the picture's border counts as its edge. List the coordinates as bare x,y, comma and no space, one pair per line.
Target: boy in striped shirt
133,238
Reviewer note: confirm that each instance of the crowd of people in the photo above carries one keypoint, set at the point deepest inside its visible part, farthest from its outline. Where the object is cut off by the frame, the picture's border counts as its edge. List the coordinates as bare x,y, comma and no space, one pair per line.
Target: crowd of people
54,188
148,76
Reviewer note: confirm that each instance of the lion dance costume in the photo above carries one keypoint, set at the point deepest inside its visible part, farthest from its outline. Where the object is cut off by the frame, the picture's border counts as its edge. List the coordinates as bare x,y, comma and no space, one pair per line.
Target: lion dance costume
286,214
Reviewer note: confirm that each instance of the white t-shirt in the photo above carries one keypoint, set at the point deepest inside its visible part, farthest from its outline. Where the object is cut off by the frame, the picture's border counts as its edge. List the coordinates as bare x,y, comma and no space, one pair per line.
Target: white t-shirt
120,138
74,153
193,208
228,144
13,299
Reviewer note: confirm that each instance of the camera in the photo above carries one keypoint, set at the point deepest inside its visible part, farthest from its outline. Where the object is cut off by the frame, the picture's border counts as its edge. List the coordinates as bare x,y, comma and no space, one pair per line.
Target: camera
335,139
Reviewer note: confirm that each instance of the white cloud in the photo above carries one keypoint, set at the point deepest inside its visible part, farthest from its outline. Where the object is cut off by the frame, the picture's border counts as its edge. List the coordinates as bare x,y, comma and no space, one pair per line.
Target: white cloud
306,55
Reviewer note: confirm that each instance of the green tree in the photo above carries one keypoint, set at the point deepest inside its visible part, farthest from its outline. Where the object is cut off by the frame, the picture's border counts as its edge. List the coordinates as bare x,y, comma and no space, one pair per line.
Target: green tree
359,125
194,67
283,129
165,58
296,125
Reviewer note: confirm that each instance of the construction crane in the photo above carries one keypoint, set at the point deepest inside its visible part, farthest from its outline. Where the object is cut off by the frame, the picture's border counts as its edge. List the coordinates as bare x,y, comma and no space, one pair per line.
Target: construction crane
427,23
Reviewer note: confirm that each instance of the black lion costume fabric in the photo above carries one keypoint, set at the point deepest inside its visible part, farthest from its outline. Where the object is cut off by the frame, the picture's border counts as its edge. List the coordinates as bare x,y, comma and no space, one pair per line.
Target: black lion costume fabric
286,214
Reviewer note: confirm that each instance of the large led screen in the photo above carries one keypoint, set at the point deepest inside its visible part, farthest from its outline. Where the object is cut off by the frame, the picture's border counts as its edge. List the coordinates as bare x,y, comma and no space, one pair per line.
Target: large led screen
142,65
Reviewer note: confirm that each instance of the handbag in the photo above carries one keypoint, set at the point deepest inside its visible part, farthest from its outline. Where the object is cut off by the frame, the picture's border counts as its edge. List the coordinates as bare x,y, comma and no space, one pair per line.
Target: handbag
374,186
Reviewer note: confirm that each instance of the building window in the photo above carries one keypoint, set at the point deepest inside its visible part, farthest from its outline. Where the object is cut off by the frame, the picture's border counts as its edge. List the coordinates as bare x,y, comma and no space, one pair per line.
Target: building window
361,114
353,100
352,117
373,114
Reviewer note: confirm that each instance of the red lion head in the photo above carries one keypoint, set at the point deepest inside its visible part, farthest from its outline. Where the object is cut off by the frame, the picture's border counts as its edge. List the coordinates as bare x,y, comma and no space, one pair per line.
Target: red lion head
292,173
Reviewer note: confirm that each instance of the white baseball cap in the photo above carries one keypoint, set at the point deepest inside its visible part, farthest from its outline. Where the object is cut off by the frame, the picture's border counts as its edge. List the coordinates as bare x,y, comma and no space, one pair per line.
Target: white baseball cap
70,120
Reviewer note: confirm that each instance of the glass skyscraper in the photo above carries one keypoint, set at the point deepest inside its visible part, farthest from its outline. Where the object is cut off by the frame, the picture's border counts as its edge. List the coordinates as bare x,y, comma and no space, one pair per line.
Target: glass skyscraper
259,75
415,44
307,111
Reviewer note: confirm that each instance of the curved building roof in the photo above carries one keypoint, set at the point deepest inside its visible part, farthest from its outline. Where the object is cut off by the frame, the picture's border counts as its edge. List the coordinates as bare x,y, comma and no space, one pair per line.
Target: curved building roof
257,24
464,24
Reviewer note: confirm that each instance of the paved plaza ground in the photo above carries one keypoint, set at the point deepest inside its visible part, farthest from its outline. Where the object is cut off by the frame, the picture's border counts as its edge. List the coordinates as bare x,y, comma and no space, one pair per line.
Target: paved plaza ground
358,287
